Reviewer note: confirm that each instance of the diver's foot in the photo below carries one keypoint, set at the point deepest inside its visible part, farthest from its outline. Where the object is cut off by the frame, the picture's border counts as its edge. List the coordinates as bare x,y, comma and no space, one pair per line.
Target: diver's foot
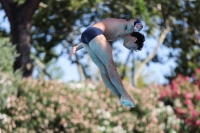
127,102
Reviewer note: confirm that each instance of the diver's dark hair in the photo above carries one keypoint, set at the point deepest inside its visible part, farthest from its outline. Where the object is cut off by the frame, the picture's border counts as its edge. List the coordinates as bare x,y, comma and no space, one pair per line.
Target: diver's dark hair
140,39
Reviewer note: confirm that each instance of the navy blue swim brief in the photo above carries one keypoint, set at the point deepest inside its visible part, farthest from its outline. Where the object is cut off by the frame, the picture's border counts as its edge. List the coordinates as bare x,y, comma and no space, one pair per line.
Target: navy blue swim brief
89,34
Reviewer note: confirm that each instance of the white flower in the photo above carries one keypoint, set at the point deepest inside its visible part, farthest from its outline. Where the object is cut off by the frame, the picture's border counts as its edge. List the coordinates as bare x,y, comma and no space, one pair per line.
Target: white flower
80,85
91,86
160,104
106,122
158,111
3,79
173,131
106,114
169,109
98,111
151,95
4,118
71,85
177,102
162,125
101,128
119,129
8,100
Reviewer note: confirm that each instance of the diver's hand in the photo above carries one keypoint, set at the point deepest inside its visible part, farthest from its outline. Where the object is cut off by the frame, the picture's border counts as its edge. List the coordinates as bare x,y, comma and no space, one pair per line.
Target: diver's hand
138,25
72,52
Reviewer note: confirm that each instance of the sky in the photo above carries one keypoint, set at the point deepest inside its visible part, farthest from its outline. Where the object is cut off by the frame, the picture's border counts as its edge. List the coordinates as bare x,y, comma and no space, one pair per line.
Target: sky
155,71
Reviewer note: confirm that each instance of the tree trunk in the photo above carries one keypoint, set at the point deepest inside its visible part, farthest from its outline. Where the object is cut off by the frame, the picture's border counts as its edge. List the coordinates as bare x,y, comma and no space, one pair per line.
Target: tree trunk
20,17
125,65
82,70
20,31
151,56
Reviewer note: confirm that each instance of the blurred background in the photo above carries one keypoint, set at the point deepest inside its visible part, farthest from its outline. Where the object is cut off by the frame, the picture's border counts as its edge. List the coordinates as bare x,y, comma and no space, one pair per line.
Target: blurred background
36,37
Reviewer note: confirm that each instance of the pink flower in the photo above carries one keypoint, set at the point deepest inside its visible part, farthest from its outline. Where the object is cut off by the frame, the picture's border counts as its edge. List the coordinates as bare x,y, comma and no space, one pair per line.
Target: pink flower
181,111
197,123
180,76
189,121
177,91
162,95
198,96
198,82
188,95
188,102
191,107
176,127
194,114
168,90
198,70
187,78
175,88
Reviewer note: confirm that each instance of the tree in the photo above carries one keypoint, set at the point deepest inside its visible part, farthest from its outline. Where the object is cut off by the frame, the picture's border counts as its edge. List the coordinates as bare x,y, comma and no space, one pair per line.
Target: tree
178,30
19,13
60,22
183,35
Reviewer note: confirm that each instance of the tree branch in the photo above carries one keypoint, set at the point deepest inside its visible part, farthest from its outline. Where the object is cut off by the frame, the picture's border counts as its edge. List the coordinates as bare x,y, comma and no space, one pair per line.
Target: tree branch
125,65
43,67
7,8
196,37
28,8
150,57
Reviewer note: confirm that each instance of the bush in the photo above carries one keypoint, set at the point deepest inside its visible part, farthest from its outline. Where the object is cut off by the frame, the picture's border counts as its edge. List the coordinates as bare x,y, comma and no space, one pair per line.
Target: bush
8,80
7,55
48,106
183,94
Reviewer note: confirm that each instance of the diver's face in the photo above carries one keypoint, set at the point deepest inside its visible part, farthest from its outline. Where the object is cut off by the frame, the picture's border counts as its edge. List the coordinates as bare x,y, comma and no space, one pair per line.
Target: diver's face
130,44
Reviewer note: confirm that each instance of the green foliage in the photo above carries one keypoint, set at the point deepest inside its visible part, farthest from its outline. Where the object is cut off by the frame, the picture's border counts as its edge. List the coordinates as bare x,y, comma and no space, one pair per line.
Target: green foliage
184,96
8,80
61,23
48,71
19,1
141,82
7,55
47,106
57,22
184,36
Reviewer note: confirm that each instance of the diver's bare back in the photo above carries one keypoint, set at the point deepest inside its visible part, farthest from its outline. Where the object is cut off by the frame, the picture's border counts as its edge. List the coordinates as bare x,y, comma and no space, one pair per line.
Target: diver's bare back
112,28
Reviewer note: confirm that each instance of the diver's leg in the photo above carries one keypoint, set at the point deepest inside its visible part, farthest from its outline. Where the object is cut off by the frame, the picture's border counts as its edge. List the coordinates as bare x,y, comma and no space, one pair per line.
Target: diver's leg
102,70
100,46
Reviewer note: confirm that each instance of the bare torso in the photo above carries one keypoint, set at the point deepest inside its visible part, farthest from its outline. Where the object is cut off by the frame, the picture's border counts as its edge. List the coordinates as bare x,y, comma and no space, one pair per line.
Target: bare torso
112,28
